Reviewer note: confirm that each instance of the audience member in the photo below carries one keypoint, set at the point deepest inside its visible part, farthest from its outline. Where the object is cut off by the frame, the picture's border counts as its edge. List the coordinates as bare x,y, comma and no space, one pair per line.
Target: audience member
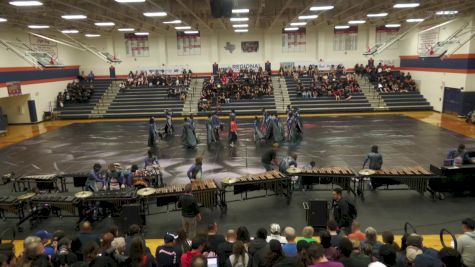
239,256
350,254
387,255
332,228
138,254
214,239
258,248
274,254
356,232
75,92
466,242
290,247
33,253
168,255
225,249
275,234
85,235
371,239
197,246
388,238
243,235
331,251
316,253
199,261
450,257
307,234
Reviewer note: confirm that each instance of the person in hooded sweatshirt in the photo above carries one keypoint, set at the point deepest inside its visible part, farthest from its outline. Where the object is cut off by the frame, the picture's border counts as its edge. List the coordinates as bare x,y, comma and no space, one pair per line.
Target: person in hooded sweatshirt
258,249
466,242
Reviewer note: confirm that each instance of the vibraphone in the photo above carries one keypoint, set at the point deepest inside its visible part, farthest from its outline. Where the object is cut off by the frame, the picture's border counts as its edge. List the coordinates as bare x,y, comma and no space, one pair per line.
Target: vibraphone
116,197
274,181
327,175
43,182
15,208
204,191
416,178
57,203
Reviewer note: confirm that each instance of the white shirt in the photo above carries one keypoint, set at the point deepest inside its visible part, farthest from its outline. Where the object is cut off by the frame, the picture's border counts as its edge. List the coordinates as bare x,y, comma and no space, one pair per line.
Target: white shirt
279,238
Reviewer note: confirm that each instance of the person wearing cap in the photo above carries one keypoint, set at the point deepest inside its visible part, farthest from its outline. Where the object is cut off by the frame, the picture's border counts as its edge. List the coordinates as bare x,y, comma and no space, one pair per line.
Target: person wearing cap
290,247
190,212
225,249
94,177
350,253
45,237
33,253
197,246
275,234
466,242
258,248
214,238
316,253
168,255
270,157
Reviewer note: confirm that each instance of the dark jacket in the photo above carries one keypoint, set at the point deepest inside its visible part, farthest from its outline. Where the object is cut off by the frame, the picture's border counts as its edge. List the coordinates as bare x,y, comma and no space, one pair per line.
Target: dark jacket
224,251
167,256
356,259
189,206
341,212
258,249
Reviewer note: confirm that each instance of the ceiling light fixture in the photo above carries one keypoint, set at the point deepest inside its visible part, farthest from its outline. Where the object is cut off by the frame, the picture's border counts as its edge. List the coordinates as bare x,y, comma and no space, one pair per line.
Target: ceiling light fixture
342,27
241,30
414,20
446,12
406,5
142,33
104,24
239,19
183,28
155,14
3,20
92,35
291,29
240,25
38,26
377,15
356,22
240,10
72,17
192,32
70,31
392,25
130,1
321,8
298,23
126,29
177,21
308,17
26,3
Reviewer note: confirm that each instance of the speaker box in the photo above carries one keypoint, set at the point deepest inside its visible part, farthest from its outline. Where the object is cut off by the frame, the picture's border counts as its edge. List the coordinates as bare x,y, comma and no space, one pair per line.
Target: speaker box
317,215
221,8
32,110
131,215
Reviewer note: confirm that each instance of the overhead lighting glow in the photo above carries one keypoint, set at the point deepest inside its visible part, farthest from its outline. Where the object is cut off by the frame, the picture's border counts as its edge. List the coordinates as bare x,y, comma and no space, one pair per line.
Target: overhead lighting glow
438,25
69,31
130,1
321,8
240,25
356,22
74,17
26,3
377,15
104,24
155,14
38,26
92,35
126,29
392,25
239,19
298,23
192,32
406,5
183,28
241,30
3,20
414,20
240,10
291,29
142,33
177,21
342,27
308,17
447,12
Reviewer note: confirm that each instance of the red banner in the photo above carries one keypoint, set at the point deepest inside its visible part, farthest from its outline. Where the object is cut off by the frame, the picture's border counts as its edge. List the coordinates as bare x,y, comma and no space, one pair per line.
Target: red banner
385,29
351,29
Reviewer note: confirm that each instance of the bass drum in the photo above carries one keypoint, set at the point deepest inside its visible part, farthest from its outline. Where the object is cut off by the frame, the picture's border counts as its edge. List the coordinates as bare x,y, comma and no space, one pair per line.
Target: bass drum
140,183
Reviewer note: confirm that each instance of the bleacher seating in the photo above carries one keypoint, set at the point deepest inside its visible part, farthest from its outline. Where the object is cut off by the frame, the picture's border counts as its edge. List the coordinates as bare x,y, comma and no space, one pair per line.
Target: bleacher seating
408,101
83,110
143,102
325,104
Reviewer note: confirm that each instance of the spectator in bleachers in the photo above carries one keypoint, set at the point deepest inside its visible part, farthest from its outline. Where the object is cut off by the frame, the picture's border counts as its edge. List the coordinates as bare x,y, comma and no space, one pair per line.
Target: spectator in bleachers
242,234
371,239
387,255
351,255
197,246
466,242
275,255
290,247
90,77
332,228
75,92
33,253
356,232
307,234
168,255
331,251
450,257
275,234
388,238
214,238
316,253
258,248
239,256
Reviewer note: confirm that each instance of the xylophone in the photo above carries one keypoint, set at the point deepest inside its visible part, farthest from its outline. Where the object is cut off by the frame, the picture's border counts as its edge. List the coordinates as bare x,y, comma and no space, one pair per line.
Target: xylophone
416,178
326,175
55,202
274,181
205,192
116,197
43,182
15,206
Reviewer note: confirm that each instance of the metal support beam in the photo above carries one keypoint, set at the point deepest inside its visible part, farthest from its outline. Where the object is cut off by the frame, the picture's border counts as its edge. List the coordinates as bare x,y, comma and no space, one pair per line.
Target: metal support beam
281,11
187,9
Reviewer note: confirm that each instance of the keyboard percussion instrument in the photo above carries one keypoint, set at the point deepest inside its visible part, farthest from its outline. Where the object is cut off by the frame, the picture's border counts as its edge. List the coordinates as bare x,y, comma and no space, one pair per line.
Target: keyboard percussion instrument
326,175
43,182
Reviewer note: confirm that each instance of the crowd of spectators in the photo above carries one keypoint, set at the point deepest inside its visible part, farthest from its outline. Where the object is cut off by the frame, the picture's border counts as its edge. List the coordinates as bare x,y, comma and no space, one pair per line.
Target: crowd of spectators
75,92
385,79
233,86
336,82
177,85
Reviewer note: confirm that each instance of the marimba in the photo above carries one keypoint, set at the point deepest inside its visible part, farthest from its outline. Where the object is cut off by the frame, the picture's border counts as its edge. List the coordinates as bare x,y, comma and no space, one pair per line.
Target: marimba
15,207
416,178
56,202
274,181
204,191
43,182
326,175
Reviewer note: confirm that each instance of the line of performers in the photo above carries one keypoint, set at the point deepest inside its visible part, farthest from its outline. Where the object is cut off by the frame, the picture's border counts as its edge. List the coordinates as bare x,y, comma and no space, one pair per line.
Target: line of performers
267,129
